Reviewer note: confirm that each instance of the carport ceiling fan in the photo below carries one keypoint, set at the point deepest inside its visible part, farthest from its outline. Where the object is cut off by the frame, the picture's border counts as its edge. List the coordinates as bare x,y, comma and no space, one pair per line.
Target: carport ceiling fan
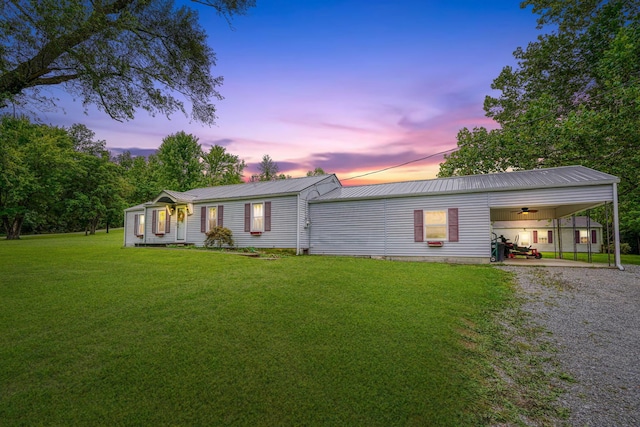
525,211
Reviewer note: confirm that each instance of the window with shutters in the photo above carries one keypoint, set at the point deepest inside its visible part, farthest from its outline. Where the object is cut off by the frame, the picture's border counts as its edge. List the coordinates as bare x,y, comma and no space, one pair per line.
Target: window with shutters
210,217
435,225
582,236
257,217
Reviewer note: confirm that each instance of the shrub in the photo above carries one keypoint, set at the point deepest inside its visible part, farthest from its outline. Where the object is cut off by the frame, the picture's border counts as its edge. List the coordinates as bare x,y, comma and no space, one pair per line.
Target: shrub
625,248
219,236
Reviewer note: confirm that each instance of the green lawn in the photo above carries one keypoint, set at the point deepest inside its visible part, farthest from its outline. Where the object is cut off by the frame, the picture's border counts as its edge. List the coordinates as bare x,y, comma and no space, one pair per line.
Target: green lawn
95,334
597,258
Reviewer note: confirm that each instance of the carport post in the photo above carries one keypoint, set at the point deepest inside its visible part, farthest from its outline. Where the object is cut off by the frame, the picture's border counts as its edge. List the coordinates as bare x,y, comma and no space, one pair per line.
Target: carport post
616,227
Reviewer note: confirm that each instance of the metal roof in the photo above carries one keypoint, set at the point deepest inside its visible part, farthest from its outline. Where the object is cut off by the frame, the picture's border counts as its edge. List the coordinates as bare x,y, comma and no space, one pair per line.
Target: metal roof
255,189
565,176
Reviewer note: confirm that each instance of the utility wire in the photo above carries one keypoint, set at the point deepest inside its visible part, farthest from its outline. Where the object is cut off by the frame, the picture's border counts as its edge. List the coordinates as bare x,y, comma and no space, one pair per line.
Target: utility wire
402,164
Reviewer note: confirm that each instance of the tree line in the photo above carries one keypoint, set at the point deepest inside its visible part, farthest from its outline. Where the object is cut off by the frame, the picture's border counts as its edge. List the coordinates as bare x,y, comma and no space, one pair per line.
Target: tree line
56,179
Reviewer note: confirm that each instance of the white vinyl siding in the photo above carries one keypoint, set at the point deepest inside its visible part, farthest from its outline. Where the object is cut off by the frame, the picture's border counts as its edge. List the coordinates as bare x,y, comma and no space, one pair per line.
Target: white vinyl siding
283,224
385,227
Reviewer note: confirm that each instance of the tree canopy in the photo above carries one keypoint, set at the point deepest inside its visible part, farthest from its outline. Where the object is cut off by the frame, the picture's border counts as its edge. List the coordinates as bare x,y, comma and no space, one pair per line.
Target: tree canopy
221,167
120,55
33,164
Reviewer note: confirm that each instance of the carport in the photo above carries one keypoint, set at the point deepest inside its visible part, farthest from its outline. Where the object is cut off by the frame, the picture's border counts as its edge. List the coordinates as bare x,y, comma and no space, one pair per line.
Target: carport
555,193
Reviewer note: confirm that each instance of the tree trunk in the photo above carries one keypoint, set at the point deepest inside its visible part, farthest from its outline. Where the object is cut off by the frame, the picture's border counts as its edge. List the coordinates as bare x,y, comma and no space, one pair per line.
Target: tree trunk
93,225
13,226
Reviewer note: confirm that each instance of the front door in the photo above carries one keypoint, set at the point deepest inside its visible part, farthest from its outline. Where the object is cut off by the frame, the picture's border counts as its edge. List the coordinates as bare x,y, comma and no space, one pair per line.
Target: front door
181,225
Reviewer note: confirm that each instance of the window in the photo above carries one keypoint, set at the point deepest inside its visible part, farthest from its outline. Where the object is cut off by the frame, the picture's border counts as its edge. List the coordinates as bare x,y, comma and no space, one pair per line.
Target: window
524,238
435,225
138,225
162,222
140,229
257,217
212,218
542,237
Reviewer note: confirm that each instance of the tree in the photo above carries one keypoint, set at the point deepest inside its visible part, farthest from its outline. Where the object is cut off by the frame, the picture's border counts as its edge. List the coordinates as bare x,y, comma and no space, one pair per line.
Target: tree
221,167
142,179
316,172
83,140
267,170
120,55
97,192
179,167
97,188
33,169
571,100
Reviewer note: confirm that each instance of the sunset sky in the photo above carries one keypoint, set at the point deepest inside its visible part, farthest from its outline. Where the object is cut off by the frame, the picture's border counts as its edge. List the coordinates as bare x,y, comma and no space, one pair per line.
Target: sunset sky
351,86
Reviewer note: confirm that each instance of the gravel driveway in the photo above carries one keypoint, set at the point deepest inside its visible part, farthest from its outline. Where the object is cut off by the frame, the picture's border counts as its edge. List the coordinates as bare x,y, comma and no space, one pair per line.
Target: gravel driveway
594,317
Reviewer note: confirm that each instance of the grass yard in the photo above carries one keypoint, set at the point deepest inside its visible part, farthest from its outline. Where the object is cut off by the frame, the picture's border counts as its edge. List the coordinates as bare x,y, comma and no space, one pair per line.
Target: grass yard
597,258
95,334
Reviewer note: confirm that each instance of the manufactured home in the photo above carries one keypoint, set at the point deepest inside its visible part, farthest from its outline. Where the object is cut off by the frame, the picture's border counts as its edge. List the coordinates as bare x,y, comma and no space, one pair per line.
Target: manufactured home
446,219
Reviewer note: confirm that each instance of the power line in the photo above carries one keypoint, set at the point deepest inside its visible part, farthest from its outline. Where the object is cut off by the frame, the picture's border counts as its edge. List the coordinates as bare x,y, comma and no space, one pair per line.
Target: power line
402,164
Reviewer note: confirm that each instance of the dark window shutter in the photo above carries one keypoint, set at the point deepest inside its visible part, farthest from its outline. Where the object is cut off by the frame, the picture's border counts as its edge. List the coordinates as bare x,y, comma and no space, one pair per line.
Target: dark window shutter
247,217
577,236
203,219
593,236
220,216
453,225
550,236
267,216
154,222
418,229
136,224
167,228
535,236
